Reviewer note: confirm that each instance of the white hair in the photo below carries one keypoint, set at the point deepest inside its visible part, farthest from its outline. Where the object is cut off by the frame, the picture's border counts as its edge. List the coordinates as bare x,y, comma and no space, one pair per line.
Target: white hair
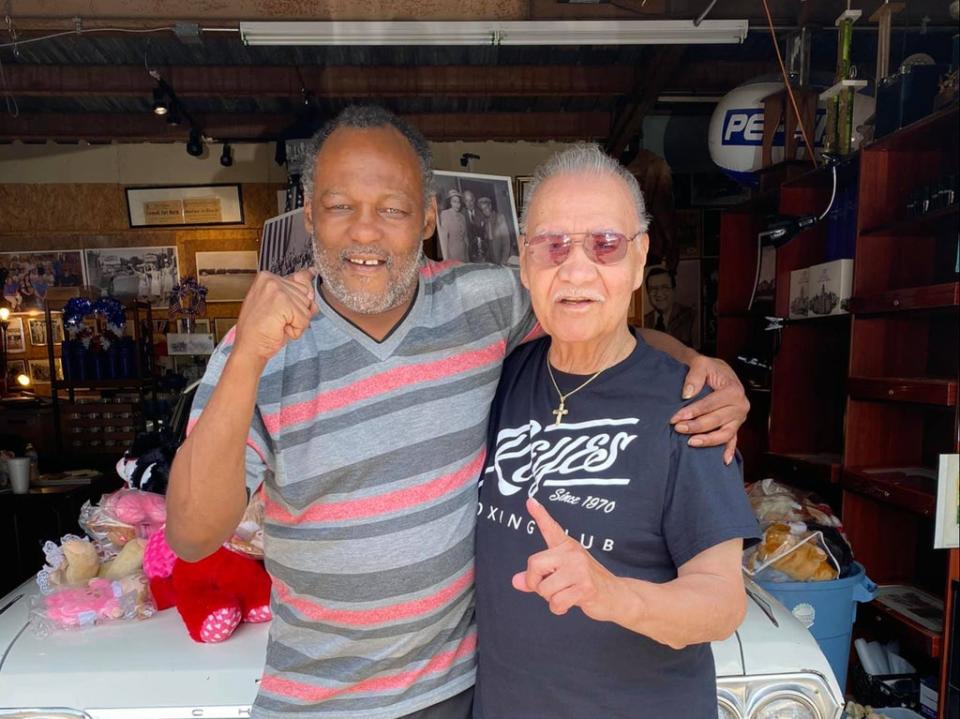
584,159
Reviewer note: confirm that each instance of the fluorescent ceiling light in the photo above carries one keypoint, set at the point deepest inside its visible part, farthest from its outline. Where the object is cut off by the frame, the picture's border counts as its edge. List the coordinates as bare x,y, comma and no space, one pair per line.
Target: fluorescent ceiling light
524,32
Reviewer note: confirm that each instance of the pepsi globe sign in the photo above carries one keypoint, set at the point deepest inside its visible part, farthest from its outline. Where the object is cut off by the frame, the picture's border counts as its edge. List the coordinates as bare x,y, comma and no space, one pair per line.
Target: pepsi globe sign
736,129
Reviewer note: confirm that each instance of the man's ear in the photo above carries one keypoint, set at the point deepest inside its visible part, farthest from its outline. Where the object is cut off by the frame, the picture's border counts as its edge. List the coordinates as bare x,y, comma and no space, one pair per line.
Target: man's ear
429,219
308,215
643,244
524,280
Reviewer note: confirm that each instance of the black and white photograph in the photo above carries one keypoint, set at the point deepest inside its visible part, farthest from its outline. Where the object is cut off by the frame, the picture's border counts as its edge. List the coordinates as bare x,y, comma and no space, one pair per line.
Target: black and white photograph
227,275
285,246
15,342
147,273
39,371
477,219
26,276
194,343
15,368
671,301
522,183
38,331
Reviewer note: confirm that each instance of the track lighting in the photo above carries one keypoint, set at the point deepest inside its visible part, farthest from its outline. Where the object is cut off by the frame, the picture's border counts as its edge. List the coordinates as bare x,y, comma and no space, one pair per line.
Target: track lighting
161,103
195,143
226,156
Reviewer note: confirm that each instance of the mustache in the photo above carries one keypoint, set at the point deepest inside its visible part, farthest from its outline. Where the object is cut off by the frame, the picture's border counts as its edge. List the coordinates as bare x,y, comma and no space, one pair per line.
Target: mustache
577,294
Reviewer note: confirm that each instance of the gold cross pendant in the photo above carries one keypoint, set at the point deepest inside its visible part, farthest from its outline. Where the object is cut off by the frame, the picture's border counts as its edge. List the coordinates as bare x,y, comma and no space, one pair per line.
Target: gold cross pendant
560,412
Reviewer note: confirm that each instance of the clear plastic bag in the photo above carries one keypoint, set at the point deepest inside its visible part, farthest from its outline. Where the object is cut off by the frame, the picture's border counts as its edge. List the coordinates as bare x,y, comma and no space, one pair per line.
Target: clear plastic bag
121,516
248,537
98,601
802,539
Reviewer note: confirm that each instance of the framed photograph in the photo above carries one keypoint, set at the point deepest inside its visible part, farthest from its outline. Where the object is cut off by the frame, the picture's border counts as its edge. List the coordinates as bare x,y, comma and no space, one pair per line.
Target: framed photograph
522,182
38,330
179,343
946,533
226,275
15,368
26,276
199,326
15,342
478,218
285,246
671,301
688,228
222,325
185,205
39,371
147,273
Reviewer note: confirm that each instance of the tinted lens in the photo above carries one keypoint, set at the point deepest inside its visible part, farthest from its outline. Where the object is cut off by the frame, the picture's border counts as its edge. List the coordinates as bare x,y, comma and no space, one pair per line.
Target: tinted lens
603,248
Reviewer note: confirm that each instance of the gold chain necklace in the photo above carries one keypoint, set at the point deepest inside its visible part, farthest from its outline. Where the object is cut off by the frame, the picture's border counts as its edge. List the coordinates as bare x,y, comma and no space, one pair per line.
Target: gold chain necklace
562,410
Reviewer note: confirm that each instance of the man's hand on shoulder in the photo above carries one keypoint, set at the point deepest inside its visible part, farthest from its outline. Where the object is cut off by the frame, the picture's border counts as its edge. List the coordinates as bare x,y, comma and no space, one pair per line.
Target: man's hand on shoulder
714,419
275,310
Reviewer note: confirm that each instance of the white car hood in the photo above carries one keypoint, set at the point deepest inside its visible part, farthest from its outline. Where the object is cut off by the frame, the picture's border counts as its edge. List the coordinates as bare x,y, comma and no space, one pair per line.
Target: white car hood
154,665
138,664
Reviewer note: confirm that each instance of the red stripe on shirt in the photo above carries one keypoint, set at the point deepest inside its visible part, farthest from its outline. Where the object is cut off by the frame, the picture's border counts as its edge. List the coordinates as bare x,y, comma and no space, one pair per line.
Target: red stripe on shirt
304,692
191,423
392,613
398,500
435,268
383,383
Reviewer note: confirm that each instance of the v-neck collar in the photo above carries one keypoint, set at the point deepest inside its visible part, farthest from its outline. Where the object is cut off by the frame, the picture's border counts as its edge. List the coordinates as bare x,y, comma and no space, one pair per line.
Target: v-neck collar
381,349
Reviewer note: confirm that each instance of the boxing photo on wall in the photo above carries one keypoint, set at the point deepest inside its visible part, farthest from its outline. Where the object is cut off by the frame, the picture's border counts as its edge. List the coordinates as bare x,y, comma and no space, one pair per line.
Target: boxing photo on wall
147,273
477,218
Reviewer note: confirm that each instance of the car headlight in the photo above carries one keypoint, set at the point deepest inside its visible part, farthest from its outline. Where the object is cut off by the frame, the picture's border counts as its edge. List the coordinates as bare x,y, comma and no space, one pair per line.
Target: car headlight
786,706
726,710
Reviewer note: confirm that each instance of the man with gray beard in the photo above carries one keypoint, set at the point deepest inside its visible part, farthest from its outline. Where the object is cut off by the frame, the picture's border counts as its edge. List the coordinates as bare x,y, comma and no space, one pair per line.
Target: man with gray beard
360,402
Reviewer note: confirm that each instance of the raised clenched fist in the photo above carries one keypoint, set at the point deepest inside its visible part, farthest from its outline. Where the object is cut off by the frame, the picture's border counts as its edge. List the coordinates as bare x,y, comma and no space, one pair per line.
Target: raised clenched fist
275,310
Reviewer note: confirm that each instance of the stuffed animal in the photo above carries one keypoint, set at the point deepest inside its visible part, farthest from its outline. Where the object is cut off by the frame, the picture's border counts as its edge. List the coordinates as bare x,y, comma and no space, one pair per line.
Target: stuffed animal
213,595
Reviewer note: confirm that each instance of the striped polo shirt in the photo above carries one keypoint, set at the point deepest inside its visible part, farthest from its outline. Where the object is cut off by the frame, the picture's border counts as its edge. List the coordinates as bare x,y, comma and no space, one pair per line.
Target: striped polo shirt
370,452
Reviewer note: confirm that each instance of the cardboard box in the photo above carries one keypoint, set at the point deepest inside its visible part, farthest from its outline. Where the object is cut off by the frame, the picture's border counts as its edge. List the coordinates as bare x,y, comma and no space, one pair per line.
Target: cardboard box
821,290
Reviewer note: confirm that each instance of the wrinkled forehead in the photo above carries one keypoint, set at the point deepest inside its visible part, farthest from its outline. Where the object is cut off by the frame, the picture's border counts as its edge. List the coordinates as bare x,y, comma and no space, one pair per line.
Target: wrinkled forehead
588,200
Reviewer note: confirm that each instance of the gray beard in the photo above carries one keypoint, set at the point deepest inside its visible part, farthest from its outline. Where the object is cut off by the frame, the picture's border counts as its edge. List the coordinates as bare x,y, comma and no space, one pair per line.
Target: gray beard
403,270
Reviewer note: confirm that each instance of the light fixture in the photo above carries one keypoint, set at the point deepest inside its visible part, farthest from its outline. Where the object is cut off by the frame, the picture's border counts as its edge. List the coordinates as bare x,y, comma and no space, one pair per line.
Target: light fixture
4,314
195,143
23,379
226,155
161,104
521,32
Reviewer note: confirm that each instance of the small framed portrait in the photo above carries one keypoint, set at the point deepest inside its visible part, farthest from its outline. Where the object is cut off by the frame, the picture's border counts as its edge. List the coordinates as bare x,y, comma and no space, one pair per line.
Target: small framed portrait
15,368
38,330
39,371
671,301
221,326
478,218
15,341
522,183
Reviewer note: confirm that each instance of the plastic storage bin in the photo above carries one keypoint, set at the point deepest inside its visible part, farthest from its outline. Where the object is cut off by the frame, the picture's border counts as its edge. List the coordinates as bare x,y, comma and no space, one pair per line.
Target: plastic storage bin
828,610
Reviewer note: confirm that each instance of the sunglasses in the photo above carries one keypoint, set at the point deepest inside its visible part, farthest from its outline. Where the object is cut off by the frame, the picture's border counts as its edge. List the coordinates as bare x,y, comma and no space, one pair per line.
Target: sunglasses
601,247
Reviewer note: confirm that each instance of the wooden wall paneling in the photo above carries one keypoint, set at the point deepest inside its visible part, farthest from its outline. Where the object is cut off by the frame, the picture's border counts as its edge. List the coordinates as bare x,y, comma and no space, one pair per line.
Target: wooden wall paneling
869,430
889,347
738,260
895,261
887,181
806,415
884,538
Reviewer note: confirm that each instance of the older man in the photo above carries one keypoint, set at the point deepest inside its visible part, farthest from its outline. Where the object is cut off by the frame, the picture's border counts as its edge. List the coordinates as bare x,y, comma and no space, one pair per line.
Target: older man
496,233
367,423
666,315
608,551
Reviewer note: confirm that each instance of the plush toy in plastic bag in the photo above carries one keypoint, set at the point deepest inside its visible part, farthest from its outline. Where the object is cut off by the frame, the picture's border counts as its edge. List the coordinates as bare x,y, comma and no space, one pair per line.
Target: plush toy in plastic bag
122,516
802,539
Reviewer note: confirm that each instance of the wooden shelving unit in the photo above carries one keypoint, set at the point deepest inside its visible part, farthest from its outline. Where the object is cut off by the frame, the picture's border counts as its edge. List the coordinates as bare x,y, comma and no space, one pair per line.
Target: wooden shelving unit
860,406
901,406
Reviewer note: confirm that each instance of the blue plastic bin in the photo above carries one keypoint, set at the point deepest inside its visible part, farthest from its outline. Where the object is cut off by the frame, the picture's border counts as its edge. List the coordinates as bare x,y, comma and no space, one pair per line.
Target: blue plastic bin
828,610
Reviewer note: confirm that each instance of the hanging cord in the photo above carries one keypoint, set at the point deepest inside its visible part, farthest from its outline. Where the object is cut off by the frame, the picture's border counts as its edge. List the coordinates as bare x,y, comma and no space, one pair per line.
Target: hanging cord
811,153
13,109
82,31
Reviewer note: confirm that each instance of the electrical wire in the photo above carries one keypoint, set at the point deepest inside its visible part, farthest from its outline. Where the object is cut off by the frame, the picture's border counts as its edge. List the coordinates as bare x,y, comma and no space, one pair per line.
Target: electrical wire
833,195
13,109
83,31
811,153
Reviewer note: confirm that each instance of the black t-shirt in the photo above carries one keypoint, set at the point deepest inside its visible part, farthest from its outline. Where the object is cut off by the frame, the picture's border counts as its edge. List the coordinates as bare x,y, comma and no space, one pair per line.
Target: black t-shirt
618,478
